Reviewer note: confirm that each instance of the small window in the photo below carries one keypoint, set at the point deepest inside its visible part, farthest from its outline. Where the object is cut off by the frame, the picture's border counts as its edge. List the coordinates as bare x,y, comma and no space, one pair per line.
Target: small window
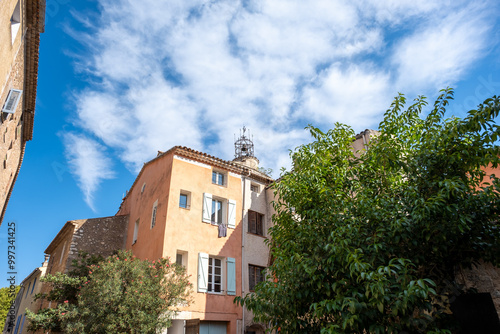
181,258
136,231
62,253
27,290
143,187
15,22
255,276
12,101
218,178
185,199
33,287
254,188
255,223
153,214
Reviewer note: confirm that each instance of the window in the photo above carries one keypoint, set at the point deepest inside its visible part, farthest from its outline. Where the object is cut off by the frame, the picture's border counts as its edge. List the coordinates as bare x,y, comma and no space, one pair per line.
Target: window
185,199
255,223
254,188
15,22
22,323
218,178
33,287
219,210
17,324
27,290
255,276
143,187
181,258
12,101
153,214
210,274
216,216
214,275
136,231
62,253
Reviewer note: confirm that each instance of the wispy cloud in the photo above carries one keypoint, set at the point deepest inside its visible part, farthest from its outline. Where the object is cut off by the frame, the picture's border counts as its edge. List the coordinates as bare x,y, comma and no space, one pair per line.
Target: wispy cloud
88,163
437,54
191,73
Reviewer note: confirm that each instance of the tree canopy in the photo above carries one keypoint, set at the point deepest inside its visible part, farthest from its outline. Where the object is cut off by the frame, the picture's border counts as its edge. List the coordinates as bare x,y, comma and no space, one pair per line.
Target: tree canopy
368,242
119,294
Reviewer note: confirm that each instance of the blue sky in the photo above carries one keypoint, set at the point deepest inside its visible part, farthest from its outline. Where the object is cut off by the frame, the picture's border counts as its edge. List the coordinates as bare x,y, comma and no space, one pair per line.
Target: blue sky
120,81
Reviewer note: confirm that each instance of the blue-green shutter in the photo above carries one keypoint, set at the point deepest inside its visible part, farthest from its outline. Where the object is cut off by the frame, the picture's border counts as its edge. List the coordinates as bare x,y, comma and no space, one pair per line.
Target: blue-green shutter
231,276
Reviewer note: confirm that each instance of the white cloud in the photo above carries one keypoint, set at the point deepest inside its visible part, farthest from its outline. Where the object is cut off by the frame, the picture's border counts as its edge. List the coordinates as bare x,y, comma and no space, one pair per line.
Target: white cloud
88,163
354,96
192,73
436,55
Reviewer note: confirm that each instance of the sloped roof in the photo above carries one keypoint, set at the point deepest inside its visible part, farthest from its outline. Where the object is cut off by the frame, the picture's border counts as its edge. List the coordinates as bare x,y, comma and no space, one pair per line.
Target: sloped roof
208,159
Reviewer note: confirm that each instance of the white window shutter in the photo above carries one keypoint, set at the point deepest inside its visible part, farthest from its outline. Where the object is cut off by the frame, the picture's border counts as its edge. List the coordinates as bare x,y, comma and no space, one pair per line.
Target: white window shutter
231,276
207,207
202,272
231,216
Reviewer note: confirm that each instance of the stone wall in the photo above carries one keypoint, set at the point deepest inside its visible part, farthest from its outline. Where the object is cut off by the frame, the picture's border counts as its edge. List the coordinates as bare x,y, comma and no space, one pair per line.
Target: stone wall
10,124
100,236
485,278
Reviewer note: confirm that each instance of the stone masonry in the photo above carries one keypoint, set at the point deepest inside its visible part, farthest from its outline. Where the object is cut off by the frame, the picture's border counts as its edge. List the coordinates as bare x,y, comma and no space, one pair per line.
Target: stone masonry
99,236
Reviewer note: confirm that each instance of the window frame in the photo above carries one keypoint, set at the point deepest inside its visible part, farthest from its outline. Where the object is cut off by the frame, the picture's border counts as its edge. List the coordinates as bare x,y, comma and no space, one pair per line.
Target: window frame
219,217
33,287
12,100
211,275
136,231
15,22
219,178
253,277
183,257
187,194
154,213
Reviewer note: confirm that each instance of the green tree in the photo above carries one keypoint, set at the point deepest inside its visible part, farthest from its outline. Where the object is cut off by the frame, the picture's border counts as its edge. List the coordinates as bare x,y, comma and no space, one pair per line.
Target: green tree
119,294
7,297
369,242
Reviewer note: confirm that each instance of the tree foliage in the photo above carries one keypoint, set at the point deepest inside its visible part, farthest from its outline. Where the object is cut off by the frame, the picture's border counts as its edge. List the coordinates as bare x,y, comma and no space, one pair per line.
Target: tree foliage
119,294
368,242
7,297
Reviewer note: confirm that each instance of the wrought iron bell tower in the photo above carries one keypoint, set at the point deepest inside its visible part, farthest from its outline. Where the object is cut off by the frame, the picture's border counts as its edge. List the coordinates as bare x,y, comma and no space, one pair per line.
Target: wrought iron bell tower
243,146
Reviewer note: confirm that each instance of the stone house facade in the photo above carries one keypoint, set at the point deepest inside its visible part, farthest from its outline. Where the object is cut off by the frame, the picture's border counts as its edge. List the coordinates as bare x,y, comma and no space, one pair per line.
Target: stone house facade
98,236
22,22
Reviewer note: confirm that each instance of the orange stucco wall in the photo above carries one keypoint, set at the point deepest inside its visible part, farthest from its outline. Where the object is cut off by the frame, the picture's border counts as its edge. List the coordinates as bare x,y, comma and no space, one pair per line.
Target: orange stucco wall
139,205
186,232
180,229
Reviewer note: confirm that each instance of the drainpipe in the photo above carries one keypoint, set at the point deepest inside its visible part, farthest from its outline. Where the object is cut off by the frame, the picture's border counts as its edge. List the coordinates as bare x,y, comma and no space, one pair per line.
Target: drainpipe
243,252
